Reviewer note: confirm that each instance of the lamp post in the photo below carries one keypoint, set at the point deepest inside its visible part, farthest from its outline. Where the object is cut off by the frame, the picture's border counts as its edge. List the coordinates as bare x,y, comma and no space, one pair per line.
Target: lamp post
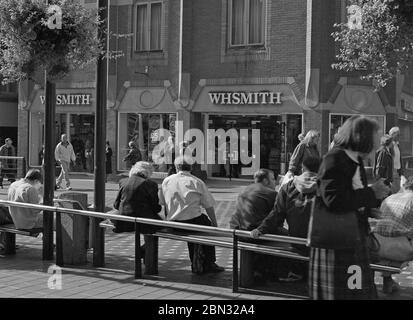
100,140
49,164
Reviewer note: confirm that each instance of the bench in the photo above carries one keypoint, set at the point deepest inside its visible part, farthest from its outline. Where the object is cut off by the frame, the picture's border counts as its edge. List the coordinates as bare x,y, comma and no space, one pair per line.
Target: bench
245,277
10,232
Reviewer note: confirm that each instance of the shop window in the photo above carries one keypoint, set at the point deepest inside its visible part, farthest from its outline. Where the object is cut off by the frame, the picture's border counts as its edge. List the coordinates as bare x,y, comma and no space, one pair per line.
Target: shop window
145,131
148,26
246,23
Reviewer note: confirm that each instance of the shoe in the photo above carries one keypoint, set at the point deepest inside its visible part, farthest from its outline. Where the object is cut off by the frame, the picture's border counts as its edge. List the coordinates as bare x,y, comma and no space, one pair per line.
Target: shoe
291,277
57,187
214,268
69,188
389,285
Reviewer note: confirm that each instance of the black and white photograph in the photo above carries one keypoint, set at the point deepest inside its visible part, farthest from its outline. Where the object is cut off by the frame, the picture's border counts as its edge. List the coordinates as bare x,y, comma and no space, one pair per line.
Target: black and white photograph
206,157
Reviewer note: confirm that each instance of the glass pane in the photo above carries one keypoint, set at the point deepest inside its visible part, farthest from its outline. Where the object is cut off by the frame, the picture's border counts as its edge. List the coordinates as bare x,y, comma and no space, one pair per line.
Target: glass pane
82,127
142,28
294,127
255,21
238,21
156,25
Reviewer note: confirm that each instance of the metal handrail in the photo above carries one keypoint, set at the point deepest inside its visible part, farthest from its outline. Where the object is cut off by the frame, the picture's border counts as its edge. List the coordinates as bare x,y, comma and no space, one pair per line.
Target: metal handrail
12,157
161,223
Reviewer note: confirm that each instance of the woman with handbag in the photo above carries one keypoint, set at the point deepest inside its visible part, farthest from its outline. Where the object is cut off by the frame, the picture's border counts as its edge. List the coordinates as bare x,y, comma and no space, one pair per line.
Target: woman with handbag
338,230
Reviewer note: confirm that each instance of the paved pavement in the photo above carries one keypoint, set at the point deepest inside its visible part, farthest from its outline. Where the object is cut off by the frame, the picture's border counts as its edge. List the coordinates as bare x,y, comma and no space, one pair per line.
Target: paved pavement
25,275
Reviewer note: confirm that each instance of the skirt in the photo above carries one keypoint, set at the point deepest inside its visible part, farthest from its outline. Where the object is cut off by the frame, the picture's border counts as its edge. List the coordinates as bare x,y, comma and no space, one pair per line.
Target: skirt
341,274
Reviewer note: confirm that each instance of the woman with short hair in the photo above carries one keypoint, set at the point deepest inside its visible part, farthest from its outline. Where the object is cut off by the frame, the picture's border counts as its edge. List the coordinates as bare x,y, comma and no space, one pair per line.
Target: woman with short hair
138,197
342,186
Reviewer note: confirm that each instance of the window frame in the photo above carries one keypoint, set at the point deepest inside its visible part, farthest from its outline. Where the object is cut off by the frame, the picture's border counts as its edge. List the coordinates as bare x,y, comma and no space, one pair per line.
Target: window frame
246,29
148,5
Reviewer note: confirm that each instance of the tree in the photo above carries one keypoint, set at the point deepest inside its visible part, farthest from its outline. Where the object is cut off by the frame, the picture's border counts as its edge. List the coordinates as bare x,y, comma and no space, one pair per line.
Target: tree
377,41
28,44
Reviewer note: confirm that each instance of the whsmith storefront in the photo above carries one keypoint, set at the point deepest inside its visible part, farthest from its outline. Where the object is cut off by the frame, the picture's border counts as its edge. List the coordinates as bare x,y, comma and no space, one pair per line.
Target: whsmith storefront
271,106
74,117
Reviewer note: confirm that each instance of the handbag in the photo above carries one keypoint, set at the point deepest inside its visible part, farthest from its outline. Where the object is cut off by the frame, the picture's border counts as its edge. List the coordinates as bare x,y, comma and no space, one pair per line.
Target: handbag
332,230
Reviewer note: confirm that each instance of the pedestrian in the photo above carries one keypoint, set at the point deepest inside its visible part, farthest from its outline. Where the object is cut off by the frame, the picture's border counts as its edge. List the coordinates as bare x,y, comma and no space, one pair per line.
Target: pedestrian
252,207
89,156
397,159
183,195
383,164
342,187
26,190
64,155
7,166
133,156
394,230
138,197
108,154
293,206
255,202
306,148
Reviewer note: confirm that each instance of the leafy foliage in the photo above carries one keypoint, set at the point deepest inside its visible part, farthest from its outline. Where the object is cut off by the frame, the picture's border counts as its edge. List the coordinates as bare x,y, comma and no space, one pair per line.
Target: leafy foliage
28,45
383,46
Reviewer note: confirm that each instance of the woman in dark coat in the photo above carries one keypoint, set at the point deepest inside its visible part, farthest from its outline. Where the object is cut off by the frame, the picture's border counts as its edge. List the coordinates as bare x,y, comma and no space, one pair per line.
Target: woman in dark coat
343,187
383,164
138,197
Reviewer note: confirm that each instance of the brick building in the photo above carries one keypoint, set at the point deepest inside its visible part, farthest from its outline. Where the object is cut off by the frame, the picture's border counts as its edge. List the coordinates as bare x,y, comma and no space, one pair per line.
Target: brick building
230,64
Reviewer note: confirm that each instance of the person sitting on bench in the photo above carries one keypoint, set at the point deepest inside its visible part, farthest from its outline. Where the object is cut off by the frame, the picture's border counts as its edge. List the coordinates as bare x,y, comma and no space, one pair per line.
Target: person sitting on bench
138,197
26,190
253,205
183,195
293,204
255,202
394,230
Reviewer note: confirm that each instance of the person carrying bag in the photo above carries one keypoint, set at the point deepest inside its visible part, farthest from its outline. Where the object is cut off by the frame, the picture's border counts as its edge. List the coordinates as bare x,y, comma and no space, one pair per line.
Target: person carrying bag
339,229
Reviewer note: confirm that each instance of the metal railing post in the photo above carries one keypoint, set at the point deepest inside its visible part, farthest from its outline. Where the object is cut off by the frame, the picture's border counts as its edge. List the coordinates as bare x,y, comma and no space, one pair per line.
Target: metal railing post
59,240
138,252
235,286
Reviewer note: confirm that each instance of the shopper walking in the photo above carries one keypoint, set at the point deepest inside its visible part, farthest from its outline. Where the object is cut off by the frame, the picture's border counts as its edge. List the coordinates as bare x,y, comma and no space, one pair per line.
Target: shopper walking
64,154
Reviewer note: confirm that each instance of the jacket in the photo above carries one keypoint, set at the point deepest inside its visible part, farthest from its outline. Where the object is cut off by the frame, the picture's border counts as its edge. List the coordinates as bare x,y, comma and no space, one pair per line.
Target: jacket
293,204
253,205
64,153
133,156
301,152
383,164
137,197
7,152
335,184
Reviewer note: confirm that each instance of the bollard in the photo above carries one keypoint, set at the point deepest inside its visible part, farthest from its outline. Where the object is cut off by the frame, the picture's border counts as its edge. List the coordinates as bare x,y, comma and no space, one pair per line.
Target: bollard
74,230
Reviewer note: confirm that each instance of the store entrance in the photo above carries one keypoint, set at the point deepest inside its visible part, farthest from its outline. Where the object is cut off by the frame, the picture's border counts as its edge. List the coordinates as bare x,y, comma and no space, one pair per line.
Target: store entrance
278,138
80,130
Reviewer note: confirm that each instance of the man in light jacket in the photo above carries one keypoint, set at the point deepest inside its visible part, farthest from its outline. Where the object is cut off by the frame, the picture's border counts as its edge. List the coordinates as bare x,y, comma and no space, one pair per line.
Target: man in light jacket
64,154
397,159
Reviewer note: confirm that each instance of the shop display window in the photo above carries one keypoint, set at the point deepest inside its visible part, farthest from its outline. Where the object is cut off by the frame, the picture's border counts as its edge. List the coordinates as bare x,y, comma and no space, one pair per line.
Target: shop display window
145,131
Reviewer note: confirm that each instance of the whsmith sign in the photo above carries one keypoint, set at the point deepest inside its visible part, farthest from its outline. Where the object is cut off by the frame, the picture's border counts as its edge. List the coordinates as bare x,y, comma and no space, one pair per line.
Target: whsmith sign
71,99
245,98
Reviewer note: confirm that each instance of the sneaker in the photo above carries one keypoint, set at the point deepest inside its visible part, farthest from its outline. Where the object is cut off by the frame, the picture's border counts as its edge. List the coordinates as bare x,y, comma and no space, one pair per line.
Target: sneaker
214,268
69,188
57,187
